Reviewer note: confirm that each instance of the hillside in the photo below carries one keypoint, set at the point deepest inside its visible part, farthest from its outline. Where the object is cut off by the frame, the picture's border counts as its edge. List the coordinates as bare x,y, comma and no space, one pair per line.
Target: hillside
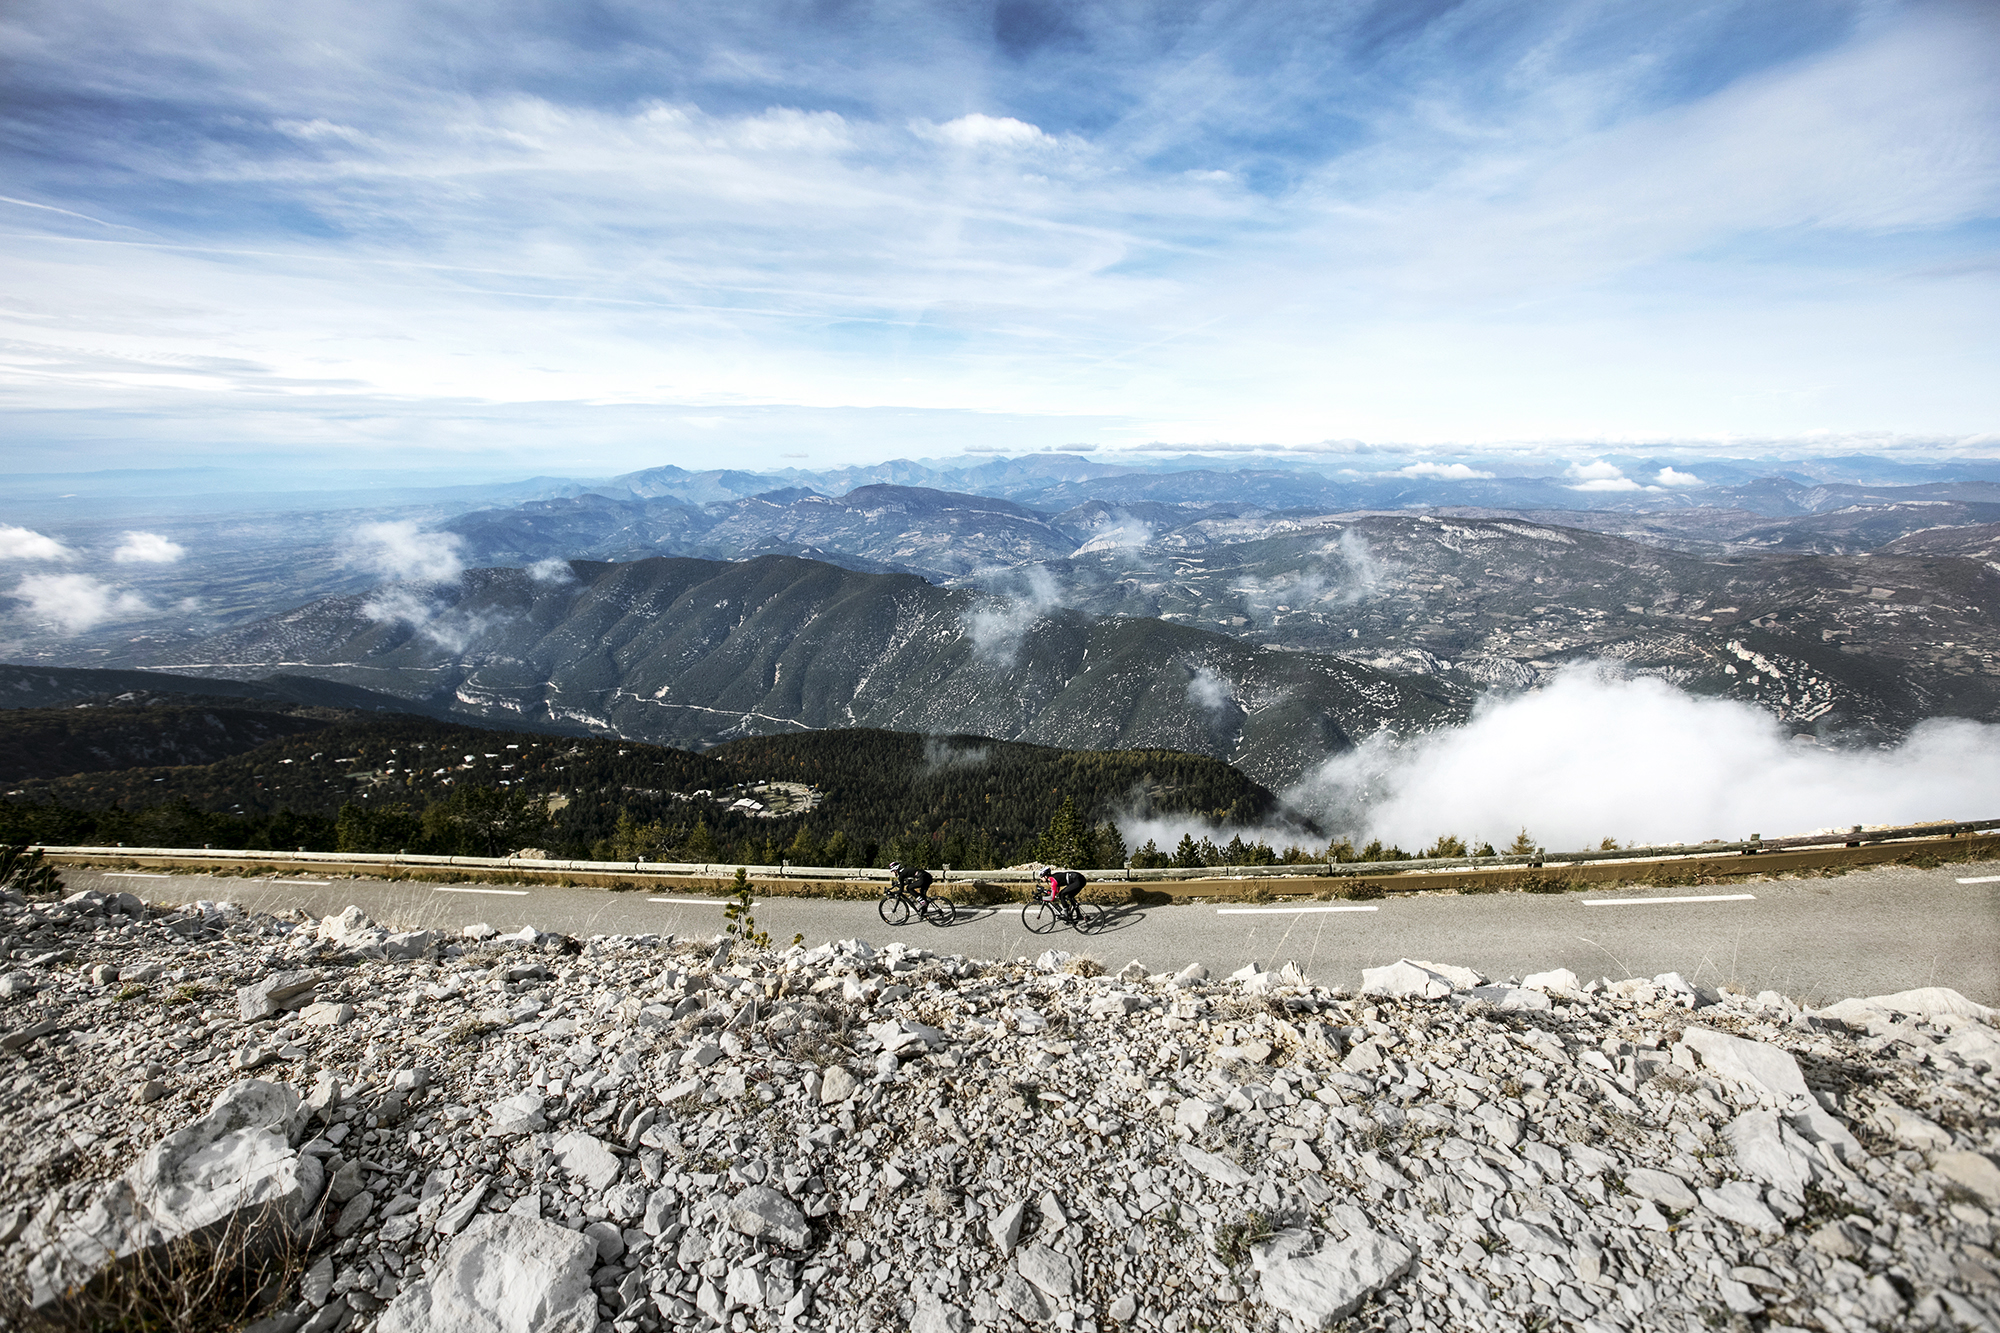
693,653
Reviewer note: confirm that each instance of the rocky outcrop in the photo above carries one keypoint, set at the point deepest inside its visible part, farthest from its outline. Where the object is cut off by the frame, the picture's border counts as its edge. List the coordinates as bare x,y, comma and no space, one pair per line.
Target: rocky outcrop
231,1173
630,1135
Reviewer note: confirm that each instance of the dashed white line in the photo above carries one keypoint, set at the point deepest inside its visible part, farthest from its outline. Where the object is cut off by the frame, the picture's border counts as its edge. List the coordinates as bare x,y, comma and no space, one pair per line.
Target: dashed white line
1284,911
132,874
1982,879
291,881
700,902
1702,898
498,893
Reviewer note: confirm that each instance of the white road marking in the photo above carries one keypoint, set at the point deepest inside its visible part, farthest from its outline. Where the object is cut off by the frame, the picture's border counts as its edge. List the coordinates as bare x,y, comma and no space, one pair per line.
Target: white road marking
1704,898
291,881
1284,911
1982,879
498,893
132,874
701,902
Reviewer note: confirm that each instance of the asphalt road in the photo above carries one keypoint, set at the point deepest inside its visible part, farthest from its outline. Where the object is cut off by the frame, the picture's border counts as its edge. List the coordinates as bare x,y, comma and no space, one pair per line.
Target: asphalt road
1869,932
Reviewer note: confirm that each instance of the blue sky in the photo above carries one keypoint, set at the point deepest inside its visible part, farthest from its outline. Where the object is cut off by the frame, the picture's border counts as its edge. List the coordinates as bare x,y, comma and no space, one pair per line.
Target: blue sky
583,237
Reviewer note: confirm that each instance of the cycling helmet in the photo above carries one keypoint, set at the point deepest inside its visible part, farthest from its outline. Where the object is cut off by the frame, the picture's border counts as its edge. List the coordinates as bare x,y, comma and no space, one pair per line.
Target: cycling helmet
896,866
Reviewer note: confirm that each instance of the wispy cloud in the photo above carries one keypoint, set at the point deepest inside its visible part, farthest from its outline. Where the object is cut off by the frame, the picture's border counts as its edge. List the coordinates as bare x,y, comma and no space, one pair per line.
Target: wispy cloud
1279,224
402,550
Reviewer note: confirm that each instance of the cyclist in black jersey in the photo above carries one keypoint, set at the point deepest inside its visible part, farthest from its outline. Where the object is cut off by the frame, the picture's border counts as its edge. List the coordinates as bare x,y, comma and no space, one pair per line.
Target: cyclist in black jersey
917,882
1064,886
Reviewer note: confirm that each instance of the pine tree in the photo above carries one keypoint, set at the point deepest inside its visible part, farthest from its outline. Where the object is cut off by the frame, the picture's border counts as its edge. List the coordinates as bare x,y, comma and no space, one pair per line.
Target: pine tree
700,844
1522,845
1187,856
1062,843
1150,857
1110,849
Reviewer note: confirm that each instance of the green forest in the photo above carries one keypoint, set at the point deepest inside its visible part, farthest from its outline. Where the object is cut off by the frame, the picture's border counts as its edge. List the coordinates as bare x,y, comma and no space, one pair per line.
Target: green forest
411,784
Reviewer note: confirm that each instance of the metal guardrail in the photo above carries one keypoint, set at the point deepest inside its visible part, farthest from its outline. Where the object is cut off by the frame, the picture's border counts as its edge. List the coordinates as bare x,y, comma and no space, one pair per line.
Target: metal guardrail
1753,845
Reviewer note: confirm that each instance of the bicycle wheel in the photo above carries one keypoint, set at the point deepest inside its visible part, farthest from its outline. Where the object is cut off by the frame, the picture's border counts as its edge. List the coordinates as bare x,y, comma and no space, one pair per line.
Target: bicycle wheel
943,911
895,909
1091,917
1038,917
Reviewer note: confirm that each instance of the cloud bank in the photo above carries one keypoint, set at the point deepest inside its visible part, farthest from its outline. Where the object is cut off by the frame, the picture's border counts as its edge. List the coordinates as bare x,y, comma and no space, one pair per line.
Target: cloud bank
1594,755
147,548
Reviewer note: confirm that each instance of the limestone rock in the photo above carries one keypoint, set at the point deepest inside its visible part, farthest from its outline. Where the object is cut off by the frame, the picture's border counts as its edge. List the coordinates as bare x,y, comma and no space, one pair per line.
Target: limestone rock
1320,1288
762,1212
503,1274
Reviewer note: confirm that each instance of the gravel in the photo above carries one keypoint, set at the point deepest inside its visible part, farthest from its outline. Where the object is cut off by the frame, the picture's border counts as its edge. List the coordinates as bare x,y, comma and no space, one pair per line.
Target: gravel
618,1134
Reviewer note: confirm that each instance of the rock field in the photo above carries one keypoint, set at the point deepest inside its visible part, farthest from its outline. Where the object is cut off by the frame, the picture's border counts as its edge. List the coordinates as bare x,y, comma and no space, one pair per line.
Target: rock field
515,1132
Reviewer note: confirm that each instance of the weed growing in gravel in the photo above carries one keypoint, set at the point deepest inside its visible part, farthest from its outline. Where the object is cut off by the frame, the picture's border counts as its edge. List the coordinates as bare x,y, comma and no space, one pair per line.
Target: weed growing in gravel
1234,1239
188,992
211,1284
129,991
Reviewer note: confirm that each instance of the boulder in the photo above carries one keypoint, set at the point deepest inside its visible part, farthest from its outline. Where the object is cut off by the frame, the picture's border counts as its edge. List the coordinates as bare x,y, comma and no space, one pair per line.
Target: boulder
519,1114
1320,1288
233,1169
1767,1069
1770,1150
1973,1170
1051,1270
1923,1002
1405,979
503,1274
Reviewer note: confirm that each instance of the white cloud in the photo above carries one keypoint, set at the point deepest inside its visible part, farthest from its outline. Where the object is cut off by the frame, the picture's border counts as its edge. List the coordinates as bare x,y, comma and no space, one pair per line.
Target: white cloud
1211,692
147,548
1443,472
981,131
76,602
400,550
552,571
1599,475
27,544
1669,477
1594,755
998,626
447,626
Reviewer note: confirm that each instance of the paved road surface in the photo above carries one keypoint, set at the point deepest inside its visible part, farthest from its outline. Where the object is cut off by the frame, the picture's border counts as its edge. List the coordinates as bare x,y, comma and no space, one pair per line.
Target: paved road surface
1870,932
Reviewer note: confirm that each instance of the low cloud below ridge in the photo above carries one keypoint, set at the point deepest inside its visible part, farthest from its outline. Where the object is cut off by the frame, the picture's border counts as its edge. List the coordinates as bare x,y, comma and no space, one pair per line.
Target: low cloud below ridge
1597,754
1594,754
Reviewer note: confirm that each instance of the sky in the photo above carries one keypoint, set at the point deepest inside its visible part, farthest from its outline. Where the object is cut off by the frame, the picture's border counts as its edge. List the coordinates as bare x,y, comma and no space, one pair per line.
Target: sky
523,236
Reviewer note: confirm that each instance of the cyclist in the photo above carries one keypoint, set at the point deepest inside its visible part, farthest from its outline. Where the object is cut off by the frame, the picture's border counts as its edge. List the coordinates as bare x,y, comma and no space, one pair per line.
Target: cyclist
917,882
1064,886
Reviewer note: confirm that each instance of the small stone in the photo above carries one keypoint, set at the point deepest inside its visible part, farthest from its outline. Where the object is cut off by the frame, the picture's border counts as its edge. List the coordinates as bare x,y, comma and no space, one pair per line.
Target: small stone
354,1215
1123,1309
588,1160
519,1114
610,1243
1053,1272
325,1013
1660,1188
150,1091
761,1212
1005,1226
836,1085
270,995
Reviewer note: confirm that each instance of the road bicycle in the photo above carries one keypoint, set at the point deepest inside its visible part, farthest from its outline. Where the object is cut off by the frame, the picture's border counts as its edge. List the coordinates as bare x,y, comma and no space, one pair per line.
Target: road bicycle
899,904
1044,912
